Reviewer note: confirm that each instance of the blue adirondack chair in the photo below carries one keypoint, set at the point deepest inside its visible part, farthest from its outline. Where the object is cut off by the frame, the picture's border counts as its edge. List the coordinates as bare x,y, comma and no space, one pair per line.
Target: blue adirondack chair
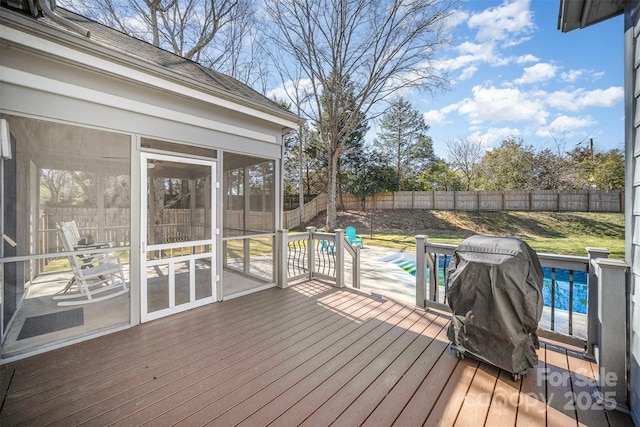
353,237
327,246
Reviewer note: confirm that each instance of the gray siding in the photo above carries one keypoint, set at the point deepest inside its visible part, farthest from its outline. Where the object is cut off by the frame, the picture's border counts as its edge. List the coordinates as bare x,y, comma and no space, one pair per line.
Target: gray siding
632,123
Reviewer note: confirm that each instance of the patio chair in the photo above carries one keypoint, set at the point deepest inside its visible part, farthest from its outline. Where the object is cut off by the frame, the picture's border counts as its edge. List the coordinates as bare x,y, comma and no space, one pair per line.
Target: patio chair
98,276
73,234
327,245
353,237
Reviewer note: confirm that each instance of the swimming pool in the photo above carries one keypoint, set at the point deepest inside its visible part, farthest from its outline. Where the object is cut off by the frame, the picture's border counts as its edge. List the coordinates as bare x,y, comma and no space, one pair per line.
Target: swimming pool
407,262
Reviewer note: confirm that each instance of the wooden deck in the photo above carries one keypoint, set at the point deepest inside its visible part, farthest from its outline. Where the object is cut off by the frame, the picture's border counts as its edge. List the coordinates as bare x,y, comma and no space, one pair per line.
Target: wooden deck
308,355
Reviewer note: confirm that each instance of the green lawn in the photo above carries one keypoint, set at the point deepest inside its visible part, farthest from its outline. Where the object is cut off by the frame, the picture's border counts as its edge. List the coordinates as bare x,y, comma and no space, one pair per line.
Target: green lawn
573,245
565,233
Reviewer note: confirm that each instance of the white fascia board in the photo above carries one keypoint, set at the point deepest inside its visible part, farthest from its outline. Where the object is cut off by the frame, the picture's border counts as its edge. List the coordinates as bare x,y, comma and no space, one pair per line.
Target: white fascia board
44,84
69,54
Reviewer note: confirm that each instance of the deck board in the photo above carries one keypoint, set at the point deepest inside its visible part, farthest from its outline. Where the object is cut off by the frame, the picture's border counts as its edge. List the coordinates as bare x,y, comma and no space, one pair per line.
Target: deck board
187,381
477,401
398,398
583,382
134,365
503,408
307,355
559,409
376,335
378,390
532,408
452,396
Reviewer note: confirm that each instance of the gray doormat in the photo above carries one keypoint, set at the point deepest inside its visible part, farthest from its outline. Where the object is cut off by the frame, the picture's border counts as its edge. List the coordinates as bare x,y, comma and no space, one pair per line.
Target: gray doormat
47,323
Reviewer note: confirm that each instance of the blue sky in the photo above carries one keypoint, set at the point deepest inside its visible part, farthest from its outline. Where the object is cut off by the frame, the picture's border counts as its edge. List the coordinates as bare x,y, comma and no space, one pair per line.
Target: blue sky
513,73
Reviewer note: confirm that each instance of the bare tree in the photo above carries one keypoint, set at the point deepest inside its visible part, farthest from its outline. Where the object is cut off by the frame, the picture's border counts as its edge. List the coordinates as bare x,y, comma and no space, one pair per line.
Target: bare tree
55,181
221,34
373,48
465,156
296,92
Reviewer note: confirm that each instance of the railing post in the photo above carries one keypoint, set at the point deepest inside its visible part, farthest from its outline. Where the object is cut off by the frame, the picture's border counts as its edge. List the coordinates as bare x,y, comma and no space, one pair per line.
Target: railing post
311,252
355,267
339,257
421,272
282,243
592,300
612,331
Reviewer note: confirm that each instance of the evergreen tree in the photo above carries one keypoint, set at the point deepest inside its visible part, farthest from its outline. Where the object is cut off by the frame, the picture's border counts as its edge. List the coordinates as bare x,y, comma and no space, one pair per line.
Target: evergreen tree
402,141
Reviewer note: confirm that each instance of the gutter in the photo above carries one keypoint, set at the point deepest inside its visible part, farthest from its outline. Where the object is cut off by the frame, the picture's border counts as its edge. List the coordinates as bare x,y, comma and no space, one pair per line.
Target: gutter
49,13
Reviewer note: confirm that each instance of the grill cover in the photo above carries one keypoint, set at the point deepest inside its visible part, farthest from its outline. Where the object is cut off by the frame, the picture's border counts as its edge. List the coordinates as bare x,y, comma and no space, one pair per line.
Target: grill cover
495,292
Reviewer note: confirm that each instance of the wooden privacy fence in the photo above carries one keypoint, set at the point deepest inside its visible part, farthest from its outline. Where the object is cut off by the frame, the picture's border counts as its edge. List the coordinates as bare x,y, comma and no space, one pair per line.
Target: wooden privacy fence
291,219
113,225
114,221
524,200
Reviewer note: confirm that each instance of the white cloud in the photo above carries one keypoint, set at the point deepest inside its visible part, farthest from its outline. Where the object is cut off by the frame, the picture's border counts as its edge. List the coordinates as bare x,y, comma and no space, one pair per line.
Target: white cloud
434,117
440,116
463,63
503,105
526,112
537,73
571,75
567,126
467,73
523,59
470,53
580,99
566,123
474,49
455,19
602,97
493,136
507,22
287,90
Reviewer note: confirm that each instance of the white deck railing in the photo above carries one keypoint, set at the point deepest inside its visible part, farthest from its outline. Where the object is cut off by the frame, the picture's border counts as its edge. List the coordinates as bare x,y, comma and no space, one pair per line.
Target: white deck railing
316,254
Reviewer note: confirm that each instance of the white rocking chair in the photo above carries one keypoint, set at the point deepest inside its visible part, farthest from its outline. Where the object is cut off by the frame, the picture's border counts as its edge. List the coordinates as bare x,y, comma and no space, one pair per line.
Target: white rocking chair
98,276
77,242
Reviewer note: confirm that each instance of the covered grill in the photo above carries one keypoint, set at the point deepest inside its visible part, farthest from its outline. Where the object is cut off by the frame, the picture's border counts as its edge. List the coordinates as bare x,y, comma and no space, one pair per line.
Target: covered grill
495,292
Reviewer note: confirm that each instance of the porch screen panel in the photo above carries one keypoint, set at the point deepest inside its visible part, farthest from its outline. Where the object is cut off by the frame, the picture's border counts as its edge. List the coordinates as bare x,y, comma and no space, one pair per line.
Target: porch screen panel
66,174
248,222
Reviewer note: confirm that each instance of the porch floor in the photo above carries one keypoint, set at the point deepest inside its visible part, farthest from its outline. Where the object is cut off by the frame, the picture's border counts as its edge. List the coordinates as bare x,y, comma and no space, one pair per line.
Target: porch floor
310,354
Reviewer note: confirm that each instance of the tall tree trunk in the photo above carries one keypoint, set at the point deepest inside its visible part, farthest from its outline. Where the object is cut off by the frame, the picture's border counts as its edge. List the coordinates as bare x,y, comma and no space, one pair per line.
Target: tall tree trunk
340,194
158,210
339,188
185,194
331,192
301,172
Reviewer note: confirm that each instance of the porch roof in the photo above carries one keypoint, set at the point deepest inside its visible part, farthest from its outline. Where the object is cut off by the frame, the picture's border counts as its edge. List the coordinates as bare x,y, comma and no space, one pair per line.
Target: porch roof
140,55
310,354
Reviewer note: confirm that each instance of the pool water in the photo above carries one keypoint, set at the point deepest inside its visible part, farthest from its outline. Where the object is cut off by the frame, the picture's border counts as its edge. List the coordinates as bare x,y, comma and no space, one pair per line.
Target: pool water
407,262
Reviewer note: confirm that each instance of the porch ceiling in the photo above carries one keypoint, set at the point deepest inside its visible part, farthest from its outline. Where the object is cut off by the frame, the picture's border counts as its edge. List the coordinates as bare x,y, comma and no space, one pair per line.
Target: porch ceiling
310,354
62,147
56,146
